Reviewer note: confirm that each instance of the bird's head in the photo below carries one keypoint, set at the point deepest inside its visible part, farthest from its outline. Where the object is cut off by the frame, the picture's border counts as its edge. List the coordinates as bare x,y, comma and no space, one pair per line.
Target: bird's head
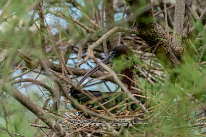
114,54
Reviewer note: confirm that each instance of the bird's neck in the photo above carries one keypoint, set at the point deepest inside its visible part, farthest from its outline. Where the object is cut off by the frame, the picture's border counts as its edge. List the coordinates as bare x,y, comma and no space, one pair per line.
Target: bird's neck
124,65
127,77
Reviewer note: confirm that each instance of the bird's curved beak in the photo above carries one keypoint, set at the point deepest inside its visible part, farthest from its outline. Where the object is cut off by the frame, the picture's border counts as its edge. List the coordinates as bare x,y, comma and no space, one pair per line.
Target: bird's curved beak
97,67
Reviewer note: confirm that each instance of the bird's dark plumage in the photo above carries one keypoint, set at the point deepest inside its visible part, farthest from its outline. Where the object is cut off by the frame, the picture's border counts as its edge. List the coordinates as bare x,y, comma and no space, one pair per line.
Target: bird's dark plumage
116,53
127,67
108,99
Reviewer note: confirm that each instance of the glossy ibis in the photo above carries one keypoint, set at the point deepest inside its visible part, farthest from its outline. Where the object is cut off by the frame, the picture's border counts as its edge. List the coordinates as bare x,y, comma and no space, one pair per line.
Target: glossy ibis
122,61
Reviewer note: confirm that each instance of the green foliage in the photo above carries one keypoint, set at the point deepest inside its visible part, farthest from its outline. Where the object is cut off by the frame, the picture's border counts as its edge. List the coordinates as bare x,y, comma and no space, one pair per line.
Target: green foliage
15,118
122,63
174,106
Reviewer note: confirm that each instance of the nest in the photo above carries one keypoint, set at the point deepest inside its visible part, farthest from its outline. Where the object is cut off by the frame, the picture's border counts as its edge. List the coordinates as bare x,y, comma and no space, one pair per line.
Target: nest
126,113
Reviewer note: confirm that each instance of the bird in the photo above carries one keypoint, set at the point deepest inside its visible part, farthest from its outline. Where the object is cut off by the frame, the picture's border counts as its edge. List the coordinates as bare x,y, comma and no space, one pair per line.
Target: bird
122,59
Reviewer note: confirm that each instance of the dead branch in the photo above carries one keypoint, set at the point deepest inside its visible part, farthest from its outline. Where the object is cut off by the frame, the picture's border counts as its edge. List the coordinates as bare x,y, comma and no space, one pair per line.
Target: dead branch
78,72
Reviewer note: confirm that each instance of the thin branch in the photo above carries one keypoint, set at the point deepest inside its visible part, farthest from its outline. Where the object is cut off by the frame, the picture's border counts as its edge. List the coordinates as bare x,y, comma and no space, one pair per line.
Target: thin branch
78,72
201,19
108,34
77,105
162,11
165,13
121,84
83,25
34,82
35,109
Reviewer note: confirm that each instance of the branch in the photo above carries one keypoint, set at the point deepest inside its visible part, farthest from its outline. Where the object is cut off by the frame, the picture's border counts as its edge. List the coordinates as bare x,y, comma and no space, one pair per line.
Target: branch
83,25
108,34
78,72
35,109
156,36
76,104
42,25
55,94
34,82
114,75
203,17
202,20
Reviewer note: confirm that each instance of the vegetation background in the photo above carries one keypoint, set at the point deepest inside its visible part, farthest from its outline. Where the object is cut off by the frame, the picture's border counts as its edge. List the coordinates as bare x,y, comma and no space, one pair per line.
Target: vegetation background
47,45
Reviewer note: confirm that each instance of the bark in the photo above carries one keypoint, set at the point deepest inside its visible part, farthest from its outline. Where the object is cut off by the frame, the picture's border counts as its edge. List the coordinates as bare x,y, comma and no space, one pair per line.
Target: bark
157,37
178,21
42,26
35,109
